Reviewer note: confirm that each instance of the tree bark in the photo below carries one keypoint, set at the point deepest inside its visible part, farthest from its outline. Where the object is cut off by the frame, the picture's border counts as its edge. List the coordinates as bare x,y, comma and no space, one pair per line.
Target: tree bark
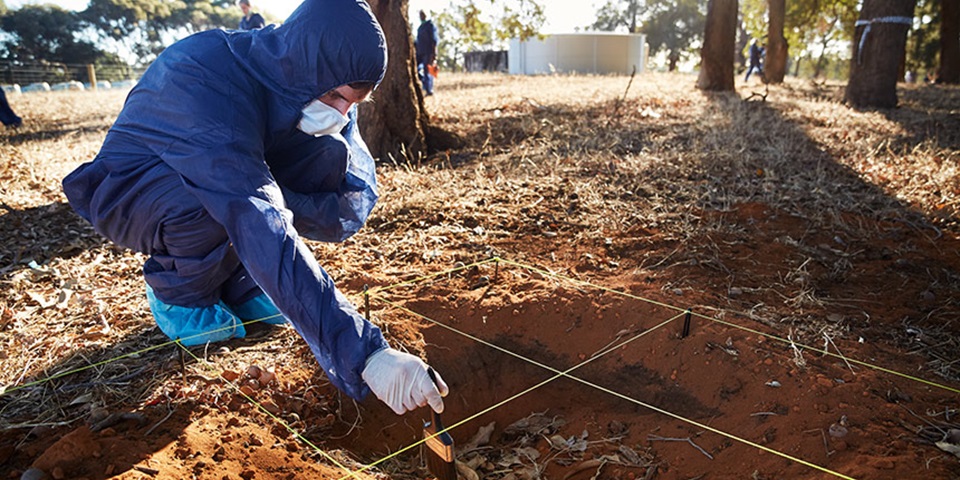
776,65
395,123
949,71
717,53
874,68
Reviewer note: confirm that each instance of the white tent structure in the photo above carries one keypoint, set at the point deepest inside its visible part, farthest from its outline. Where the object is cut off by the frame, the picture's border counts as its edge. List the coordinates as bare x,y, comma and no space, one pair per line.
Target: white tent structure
594,52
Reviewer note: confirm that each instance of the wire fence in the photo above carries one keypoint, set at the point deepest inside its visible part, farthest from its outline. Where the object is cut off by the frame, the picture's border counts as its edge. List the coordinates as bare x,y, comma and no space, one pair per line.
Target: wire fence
47,76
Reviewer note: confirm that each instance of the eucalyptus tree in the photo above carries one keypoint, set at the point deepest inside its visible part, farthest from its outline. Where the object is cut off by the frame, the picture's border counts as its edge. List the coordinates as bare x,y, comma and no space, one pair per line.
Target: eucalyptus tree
616,14
45,33
673,27
878,47
719,38
949,71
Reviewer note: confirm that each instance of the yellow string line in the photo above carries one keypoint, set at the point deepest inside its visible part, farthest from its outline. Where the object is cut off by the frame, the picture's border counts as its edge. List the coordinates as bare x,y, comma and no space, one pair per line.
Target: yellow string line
733,325
274,417
515,396
543,272
5,391
612,392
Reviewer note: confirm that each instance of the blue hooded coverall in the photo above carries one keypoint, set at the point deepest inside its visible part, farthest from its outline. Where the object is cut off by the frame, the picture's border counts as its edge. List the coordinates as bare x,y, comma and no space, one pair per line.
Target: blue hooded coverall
206,171
7,117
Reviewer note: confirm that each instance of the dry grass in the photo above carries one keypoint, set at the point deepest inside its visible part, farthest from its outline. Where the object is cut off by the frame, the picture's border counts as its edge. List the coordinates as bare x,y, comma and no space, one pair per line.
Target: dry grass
575,158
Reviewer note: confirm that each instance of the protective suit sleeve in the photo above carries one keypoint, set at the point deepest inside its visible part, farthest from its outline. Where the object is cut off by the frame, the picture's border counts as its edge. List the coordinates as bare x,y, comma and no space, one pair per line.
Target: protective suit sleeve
340,211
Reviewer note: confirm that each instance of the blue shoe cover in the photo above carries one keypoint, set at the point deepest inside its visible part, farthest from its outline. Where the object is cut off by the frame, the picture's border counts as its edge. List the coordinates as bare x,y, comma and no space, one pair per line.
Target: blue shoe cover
195,325
259,308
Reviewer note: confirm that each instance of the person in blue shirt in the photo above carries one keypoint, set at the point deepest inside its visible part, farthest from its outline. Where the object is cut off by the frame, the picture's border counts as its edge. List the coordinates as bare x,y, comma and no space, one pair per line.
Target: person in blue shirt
7,117
250,19
232,148
426,47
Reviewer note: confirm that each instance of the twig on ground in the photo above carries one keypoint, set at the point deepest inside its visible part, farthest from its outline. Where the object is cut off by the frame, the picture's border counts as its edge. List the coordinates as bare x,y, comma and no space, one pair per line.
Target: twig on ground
830,340
684,439
164,419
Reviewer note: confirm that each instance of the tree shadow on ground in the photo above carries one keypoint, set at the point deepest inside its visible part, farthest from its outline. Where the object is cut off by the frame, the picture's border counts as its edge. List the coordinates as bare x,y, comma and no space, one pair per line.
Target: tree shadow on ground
24,135
42,234
125,400
930,114
702,175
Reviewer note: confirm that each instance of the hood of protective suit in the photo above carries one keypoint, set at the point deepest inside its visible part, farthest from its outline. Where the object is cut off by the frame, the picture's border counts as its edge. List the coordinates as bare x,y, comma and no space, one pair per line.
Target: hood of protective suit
313,52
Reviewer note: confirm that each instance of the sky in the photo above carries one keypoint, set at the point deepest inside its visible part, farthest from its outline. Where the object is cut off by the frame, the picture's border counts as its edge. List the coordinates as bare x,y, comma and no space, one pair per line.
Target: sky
562,15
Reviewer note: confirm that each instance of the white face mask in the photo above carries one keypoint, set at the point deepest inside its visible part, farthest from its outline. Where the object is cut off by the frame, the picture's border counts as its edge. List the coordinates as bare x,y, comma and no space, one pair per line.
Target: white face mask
321,119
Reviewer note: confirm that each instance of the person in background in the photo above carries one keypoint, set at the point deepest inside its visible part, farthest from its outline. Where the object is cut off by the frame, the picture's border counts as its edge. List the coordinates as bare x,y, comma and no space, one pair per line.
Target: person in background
756,60
250,20
221,203
7,117
426,46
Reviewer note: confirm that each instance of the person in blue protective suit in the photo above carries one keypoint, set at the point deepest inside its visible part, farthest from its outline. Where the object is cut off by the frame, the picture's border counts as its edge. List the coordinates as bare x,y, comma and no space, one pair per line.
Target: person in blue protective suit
250,20
7,117
756,60
232,148
426,49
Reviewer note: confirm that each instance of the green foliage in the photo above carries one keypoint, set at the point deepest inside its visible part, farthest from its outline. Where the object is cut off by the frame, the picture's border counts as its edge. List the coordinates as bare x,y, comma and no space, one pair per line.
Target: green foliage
674,27
817,31
45,33
461,29
923,42
617,14
523,22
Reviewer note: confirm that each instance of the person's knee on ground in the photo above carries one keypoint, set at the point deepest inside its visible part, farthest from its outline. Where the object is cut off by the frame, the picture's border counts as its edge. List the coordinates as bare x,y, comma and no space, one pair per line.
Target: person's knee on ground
195,325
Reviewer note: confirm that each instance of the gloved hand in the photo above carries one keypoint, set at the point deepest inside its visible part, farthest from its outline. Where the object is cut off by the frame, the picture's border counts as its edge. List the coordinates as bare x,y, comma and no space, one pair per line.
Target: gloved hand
401,381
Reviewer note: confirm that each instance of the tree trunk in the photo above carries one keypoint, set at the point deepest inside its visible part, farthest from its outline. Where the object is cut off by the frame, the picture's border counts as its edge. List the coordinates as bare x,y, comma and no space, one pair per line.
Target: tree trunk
874,67
776,65
717,53
949,71
395,123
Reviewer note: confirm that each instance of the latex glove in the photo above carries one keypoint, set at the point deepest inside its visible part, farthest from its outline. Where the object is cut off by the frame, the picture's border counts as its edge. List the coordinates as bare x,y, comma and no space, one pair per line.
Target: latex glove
401,381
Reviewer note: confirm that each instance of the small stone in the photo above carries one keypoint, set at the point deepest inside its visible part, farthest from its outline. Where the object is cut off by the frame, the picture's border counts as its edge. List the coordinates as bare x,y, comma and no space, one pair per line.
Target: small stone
253,371
267,376
734,292
230,375
57,473
883,463
837,431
